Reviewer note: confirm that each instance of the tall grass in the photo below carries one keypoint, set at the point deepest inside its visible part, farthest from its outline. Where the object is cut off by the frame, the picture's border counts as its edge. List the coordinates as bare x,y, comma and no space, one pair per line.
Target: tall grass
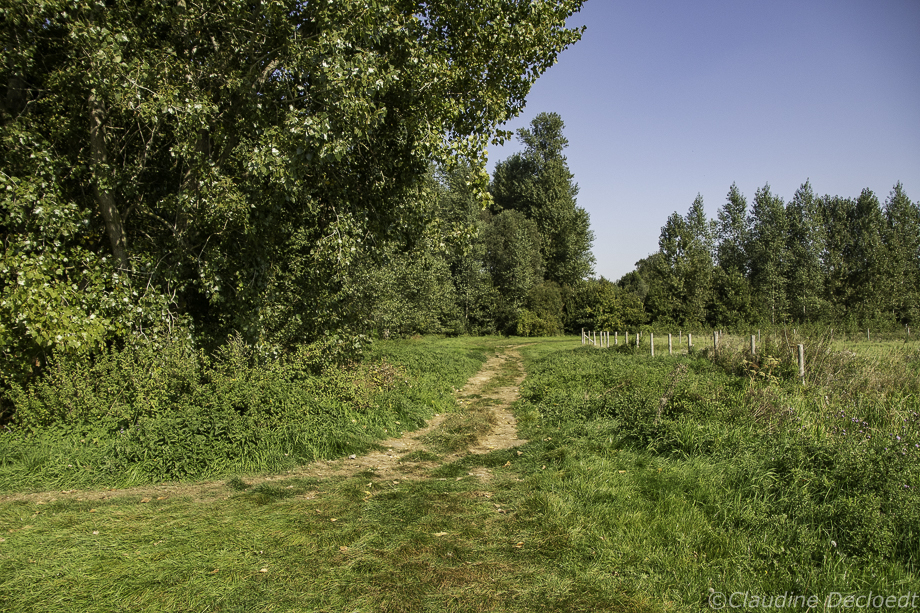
647,485
129,418
738,482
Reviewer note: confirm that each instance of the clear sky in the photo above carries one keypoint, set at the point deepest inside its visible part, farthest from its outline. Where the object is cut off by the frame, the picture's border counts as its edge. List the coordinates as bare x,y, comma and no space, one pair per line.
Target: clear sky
664,99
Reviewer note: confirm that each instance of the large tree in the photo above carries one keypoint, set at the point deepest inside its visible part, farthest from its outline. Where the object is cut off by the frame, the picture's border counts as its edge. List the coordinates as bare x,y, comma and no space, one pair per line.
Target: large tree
539,184
902,256
733,232
768,256
836,214
235,161
804,244
684,268
866,258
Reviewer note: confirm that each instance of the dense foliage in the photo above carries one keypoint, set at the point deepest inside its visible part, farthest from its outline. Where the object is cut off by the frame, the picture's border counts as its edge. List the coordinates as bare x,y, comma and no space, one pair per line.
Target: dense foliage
193,171
829,260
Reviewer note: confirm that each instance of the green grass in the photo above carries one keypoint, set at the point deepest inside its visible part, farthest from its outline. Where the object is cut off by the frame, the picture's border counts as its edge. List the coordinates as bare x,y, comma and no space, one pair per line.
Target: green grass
646,484
256,418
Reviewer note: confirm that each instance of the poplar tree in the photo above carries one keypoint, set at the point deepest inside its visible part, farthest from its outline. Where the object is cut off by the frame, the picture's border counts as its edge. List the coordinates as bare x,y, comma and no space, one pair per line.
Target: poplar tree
902,256
768,255
805,242
836,215
731,298
866,260
539,184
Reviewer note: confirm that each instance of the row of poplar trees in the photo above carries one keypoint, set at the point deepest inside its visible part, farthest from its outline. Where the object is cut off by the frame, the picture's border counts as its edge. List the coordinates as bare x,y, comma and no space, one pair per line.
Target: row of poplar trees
816,259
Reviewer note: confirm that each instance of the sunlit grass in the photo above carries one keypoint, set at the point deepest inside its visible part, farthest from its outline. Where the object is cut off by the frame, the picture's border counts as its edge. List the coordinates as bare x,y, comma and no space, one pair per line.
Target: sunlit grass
619,502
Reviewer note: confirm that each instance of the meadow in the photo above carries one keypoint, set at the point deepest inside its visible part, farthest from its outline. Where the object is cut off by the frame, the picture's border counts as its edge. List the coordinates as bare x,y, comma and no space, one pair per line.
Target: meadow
647,484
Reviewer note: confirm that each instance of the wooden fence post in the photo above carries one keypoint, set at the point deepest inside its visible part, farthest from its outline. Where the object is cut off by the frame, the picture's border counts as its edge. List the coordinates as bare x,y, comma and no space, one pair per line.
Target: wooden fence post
627,338
715,342
867,335
670,349
651,342
753,347
637,340
582,336
689,340
802,363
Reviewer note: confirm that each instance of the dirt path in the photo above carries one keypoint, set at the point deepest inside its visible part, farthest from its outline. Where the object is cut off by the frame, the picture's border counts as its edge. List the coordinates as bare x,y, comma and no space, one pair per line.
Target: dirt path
495,387
489,393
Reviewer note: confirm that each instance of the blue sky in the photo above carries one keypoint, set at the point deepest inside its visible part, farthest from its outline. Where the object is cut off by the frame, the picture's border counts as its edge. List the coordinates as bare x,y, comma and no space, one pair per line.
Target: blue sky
664,99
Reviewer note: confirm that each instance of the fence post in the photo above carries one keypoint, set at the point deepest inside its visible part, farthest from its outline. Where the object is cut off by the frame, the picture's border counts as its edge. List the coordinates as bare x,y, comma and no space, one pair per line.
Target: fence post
867,335
670,349
680,337
616,337
582,336
651,342
753,347
802,363
637,340
689,341
627,338
715,342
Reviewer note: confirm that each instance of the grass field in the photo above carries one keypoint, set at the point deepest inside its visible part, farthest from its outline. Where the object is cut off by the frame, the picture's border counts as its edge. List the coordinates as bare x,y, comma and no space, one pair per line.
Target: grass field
647,485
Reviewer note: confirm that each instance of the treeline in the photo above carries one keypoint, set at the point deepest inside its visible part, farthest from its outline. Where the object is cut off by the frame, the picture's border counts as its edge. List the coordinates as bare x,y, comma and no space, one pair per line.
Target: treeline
843,262
515,266
190,172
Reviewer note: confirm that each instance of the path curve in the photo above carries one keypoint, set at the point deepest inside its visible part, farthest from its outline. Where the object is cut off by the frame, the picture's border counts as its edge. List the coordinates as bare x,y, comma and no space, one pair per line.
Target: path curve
495,386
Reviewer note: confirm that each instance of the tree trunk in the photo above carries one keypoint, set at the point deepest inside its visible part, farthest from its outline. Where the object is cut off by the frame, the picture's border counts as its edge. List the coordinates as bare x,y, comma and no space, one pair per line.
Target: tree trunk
104,197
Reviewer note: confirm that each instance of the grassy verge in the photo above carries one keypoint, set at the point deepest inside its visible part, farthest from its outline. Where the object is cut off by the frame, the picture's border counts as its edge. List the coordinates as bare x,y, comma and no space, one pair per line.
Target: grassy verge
702,480
232,414
647,485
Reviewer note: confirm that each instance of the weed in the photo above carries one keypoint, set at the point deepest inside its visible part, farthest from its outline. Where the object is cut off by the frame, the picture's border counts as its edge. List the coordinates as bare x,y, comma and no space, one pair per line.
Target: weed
236,484
420,456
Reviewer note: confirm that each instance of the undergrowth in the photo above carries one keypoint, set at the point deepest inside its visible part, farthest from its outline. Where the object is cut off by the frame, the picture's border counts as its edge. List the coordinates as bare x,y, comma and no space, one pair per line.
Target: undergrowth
139,416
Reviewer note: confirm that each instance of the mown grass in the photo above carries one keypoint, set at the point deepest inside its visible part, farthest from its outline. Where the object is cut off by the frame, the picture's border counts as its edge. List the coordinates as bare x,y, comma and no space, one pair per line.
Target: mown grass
647,485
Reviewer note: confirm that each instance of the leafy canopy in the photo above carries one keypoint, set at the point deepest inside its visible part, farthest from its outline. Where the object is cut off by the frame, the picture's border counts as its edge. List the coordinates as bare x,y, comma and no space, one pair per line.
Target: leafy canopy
231,164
